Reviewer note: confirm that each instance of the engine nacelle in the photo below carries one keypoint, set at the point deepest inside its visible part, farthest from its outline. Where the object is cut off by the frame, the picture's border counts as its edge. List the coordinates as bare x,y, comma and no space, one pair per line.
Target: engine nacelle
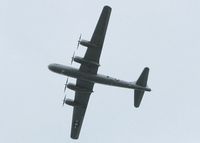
76,88
71,103
83,61
87,44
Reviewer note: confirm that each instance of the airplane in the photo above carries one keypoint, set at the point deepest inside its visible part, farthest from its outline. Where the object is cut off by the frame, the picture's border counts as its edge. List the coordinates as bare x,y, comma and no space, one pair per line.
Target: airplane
87,75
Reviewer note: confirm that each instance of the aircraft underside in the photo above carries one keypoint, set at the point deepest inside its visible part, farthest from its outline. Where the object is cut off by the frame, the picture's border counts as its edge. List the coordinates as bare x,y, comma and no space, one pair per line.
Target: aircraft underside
86,76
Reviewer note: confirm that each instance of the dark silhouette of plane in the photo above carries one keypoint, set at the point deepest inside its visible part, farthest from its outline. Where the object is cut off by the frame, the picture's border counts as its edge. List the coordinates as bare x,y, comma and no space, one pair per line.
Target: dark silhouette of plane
87,75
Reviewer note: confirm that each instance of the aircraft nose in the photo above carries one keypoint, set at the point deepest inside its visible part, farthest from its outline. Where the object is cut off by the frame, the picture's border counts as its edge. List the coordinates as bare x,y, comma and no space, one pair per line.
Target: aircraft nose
51,67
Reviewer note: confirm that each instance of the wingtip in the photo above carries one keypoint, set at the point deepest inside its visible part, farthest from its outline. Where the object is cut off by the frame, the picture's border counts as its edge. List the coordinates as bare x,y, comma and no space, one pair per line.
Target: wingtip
74,137
107,7
146,68
137,106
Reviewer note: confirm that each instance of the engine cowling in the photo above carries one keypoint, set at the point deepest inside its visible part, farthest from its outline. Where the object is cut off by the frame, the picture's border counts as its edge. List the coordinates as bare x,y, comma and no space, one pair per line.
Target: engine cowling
79,89
71,103
87,44
83,61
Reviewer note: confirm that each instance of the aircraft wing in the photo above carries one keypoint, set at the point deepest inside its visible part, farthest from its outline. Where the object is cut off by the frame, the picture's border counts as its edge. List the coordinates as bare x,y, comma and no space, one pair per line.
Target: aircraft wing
82,99
92,55
93,52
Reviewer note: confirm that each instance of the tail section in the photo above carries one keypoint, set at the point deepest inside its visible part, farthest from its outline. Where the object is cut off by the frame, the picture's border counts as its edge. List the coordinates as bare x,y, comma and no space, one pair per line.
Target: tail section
142,81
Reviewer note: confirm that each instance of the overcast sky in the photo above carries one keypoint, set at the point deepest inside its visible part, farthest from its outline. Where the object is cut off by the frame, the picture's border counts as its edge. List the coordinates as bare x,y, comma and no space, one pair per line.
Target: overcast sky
163,35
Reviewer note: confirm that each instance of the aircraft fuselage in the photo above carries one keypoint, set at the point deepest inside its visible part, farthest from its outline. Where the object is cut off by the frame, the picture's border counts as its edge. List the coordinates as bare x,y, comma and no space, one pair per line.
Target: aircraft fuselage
95,78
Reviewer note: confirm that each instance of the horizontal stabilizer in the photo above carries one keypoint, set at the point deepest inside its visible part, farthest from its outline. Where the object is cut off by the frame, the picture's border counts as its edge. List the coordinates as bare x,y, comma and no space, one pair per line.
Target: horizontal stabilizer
142,81
138,95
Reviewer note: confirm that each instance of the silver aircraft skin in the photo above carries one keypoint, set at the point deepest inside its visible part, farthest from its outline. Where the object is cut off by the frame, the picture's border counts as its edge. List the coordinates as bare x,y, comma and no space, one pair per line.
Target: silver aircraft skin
87,75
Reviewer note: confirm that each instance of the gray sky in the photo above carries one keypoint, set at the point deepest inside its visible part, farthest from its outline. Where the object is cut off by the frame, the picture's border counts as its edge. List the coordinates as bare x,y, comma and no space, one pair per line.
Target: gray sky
163,35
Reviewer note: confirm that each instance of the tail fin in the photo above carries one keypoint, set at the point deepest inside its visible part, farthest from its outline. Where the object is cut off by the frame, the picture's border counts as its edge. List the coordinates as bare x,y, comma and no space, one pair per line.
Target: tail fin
142,81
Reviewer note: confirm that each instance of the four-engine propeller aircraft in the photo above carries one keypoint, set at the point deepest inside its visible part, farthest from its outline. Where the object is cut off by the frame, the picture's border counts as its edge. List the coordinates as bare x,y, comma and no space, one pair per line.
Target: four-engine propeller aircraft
87,75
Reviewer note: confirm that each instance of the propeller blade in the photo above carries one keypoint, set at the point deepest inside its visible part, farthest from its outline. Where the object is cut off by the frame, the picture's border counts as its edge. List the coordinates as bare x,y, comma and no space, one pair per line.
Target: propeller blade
73,57
64,100
79,40
78,45
65,85
80,37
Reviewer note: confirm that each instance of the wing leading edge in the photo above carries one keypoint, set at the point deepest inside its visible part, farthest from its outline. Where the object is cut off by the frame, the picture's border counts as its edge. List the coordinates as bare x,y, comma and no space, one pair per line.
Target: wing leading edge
92,54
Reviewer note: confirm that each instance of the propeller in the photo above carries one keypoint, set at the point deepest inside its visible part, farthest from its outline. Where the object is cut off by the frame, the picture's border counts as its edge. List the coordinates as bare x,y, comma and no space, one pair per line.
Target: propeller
65,85
73,57
79,40
64,100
